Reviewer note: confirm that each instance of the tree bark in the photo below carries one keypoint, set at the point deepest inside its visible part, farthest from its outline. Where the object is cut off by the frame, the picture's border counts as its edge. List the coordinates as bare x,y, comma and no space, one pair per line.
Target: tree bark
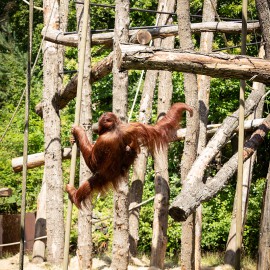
193,195
162,190
191,139
139,167
84,251
206,43
264,258
120,247
71,40
212,64
264,17
53,156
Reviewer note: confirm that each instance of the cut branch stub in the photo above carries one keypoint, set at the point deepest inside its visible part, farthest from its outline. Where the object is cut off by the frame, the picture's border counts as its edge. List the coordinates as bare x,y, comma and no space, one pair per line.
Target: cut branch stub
142,37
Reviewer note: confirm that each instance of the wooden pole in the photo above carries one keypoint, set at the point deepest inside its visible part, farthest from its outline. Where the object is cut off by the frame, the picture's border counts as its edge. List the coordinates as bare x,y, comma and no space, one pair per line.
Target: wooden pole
241,146
26,135
76,122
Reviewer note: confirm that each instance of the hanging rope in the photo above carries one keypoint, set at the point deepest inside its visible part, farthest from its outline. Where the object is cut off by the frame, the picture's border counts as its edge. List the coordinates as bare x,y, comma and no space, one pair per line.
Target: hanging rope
76,122
141,78
26,134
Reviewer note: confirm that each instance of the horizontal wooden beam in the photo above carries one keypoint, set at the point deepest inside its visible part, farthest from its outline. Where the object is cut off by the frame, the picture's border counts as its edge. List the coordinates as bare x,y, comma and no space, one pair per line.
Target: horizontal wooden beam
71,40
35,160
139,57
5,192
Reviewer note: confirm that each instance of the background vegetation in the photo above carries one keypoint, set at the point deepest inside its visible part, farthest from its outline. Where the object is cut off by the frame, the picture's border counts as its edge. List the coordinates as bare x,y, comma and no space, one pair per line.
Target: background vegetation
224,100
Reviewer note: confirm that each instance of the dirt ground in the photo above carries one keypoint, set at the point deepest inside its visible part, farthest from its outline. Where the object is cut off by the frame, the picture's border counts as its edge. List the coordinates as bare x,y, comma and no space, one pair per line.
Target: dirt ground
12,263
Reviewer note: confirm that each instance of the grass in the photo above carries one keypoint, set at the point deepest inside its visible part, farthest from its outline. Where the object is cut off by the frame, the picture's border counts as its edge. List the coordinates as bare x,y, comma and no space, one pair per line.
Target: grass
212,259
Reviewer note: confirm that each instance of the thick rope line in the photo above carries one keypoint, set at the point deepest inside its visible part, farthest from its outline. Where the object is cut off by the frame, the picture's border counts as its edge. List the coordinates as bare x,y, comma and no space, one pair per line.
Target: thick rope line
141,78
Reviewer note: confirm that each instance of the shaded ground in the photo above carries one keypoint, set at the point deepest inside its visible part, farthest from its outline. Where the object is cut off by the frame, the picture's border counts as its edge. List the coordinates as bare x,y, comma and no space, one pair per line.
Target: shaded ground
12,263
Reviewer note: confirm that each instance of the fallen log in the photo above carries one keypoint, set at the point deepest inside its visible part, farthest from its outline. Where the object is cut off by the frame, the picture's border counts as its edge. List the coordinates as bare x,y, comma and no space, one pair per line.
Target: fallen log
71,40
139,57
37,160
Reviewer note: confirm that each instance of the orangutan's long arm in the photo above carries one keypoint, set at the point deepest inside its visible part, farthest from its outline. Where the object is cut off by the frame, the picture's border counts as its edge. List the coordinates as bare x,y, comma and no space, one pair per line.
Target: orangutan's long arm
82,140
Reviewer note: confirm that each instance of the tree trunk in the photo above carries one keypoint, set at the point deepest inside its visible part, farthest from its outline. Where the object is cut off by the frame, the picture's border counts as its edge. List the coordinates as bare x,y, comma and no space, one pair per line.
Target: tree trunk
53,155
229,257
264,247
84,251
206,43
139,167
120,247
211,64
264,258
162,190
40,226
158,32
264,17
191,139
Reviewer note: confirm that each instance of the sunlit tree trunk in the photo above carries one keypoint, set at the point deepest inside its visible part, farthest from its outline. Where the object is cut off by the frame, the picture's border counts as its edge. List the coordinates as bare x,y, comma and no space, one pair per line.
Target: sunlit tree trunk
120,247
191,139
52,64
264,247
206,42
162,189
84,251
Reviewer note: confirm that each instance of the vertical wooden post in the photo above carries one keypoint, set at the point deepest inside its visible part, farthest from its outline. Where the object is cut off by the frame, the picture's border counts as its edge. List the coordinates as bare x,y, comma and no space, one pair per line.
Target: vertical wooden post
26,134
76,122
120,249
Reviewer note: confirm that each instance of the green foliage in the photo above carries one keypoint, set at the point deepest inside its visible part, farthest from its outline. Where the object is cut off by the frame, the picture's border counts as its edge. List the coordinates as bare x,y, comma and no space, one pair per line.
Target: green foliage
216,220
251,232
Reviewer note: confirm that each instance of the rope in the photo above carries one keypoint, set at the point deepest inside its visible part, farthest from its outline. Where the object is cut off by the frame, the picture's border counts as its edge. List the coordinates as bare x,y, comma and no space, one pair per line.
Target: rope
35,7
141,78
155,11
17,243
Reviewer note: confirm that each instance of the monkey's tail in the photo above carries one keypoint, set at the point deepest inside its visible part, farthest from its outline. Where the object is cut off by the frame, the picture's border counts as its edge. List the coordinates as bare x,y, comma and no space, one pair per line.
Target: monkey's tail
169,124
174,115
